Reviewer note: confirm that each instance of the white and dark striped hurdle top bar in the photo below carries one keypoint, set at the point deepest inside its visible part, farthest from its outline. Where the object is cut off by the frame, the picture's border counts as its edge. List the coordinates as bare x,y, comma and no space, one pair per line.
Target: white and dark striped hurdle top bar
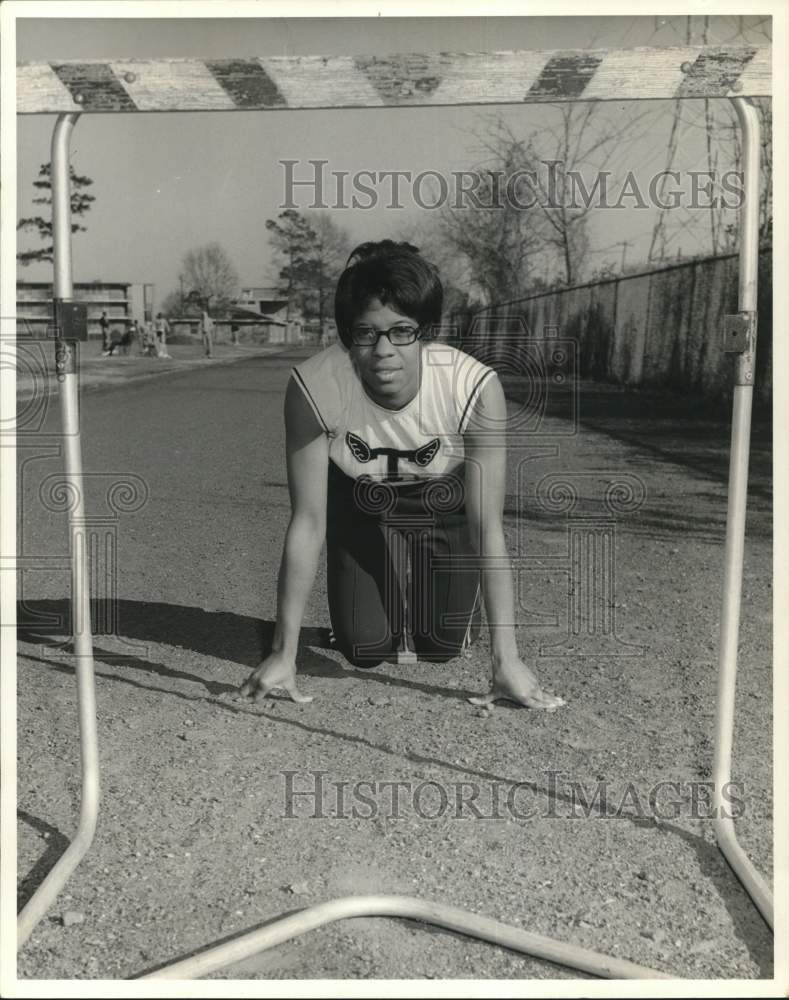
270,83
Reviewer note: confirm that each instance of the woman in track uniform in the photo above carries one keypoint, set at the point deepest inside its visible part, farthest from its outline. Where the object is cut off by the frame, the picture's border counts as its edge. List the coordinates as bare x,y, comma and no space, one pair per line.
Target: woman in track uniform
396,456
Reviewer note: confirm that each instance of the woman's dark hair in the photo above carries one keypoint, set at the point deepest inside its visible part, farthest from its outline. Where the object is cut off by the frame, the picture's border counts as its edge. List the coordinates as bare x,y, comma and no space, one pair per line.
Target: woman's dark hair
394,273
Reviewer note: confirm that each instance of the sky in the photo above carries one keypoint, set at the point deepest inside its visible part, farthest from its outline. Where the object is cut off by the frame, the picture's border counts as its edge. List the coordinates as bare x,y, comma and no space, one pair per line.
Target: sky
165,184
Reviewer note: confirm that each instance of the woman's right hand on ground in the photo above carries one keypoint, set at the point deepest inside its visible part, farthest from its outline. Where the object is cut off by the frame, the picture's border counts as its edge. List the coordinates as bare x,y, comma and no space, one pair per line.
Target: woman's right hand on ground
277,671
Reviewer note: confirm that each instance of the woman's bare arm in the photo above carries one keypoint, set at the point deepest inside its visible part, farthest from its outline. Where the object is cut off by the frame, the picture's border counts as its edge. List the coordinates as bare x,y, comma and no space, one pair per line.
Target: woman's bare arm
307,452
485,443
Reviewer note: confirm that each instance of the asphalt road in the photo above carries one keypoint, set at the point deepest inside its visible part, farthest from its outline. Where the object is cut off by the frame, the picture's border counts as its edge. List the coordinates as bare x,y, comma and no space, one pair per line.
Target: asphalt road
202,453
194,842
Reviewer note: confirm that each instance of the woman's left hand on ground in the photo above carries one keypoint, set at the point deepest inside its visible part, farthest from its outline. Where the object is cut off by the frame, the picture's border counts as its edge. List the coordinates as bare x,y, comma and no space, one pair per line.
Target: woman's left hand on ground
513,681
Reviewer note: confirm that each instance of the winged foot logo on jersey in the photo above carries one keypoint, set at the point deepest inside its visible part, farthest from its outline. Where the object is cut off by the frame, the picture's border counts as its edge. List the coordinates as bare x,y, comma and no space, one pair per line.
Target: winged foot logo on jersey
362,452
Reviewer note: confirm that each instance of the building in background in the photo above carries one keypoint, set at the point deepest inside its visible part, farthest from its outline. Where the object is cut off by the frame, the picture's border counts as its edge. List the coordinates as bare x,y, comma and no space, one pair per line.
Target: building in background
123,302
262,313
285,326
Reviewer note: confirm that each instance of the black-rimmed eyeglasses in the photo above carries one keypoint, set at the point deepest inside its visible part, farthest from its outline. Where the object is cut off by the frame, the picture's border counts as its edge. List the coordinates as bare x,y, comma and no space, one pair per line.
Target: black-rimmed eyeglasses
399,335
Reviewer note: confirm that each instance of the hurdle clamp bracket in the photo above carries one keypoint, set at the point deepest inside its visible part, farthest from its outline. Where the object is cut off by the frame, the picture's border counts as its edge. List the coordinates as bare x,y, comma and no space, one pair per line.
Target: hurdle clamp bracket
739,337
69,327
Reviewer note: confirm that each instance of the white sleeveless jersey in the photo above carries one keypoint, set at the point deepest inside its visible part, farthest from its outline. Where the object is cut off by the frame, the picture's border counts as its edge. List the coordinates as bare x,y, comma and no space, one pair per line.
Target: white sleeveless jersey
419,441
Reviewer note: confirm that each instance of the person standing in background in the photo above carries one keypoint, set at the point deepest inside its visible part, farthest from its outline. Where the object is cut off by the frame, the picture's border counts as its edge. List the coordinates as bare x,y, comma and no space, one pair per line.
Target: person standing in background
207,330
162,329
139,332
104,323
150,340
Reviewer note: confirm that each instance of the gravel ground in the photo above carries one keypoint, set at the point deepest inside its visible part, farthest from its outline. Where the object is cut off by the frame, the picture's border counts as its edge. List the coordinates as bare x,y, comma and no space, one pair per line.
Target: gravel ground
195,842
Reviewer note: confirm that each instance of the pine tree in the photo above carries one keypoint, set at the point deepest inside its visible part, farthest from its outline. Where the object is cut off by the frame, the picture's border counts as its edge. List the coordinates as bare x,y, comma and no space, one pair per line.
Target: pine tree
292,238
80,204
311,250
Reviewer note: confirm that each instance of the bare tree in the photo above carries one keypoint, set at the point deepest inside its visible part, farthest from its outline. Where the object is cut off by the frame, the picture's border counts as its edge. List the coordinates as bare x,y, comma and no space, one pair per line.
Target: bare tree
498,243
534,233
327,258
209,276
460,291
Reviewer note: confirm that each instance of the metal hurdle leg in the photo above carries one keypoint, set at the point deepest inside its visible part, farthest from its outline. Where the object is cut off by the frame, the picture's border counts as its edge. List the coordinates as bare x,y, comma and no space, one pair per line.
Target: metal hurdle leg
45,895
743,867
409,908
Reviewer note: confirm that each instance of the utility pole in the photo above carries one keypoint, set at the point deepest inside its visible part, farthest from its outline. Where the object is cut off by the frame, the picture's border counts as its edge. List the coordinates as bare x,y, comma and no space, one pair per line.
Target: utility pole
625,245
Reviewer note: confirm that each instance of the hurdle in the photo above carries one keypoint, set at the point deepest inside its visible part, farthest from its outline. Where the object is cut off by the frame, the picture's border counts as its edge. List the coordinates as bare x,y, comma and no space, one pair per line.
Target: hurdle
70,89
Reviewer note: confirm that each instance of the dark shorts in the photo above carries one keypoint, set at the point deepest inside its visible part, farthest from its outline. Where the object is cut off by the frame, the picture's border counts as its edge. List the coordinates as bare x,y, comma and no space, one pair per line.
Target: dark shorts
398,568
